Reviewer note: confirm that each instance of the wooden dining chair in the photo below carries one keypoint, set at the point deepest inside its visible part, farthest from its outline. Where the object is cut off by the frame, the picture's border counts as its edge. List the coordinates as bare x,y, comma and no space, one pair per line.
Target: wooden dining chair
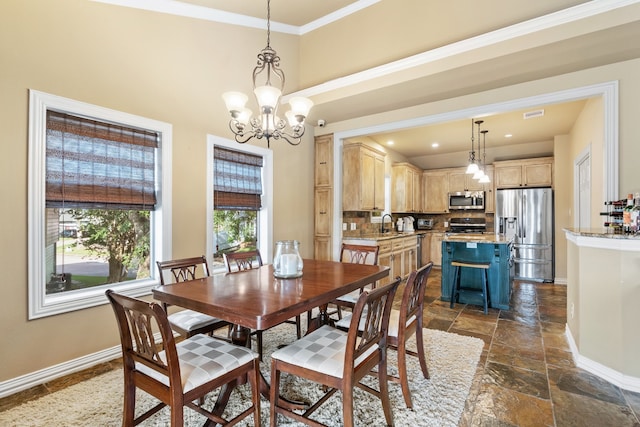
177,374
355,254
246,260
188,322
339,359
410,316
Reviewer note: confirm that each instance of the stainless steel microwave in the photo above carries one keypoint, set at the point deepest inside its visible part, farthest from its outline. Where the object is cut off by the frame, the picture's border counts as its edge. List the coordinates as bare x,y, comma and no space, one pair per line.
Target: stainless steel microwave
464,200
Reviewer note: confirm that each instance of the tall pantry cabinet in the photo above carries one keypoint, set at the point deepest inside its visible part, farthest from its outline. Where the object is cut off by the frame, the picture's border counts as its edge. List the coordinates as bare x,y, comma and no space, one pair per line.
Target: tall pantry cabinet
323,200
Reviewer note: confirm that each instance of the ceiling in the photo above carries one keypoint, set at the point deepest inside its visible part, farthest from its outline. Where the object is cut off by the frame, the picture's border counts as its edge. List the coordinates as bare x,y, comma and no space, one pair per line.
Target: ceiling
297,13
606,42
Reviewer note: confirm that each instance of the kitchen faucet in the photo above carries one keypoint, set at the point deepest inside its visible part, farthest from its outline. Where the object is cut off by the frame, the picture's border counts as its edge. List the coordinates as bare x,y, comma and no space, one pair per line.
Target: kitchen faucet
382,230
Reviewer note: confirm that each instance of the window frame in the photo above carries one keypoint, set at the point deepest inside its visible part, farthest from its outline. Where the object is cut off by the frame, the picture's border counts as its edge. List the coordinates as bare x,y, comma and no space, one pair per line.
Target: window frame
41,304
265,217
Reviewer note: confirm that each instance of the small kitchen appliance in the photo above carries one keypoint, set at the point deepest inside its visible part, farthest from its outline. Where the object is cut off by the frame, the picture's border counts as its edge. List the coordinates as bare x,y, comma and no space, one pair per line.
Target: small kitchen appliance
408,224
466,200
424,223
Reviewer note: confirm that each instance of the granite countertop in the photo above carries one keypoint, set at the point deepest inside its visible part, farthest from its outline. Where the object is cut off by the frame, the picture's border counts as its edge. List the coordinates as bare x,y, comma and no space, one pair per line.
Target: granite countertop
477,238
600,232
380,236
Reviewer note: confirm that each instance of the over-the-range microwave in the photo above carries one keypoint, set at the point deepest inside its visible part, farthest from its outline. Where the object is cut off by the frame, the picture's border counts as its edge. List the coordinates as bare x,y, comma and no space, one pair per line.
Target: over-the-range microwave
464,200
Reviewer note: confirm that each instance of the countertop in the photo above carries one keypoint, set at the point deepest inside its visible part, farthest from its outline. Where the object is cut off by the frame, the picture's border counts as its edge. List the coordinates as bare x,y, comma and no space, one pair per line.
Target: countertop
477,238
380,236
600,232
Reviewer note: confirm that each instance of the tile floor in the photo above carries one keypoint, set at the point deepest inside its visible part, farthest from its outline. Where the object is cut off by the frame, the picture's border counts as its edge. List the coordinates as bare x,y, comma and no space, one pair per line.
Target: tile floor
526,376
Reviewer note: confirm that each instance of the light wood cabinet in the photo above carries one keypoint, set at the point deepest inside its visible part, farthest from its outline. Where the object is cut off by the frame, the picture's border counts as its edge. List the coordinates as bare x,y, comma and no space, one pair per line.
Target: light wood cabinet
489,191
323,197
435,248
400,255
460,181
362,178
323,211
324,161
536,172
406,188
436,189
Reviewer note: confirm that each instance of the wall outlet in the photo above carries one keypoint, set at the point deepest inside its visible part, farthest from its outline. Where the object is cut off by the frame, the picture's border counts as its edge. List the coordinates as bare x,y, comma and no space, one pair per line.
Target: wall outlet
344,226
572,310
353,226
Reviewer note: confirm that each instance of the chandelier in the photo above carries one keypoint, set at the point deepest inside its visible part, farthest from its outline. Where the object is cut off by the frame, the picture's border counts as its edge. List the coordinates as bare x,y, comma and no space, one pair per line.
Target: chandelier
268,83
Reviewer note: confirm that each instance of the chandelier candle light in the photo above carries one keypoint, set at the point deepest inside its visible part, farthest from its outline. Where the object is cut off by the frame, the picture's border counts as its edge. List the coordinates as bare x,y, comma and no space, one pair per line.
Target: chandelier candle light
267,124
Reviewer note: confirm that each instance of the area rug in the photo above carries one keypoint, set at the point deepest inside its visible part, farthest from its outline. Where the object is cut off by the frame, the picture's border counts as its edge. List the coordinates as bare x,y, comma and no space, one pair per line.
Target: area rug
439,401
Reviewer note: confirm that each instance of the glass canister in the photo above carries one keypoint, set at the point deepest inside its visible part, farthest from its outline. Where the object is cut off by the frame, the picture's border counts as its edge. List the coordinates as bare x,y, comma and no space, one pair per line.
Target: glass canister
287,262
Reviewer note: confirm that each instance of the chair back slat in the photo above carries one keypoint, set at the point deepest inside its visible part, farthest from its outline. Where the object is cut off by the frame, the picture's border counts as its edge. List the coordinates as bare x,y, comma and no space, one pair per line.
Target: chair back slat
182,270
371,313
359,254
413,297
240,261
136,322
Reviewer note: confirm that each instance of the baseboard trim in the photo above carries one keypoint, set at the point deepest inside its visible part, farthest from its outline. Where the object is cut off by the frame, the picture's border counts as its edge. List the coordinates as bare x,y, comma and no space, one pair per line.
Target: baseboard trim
42,376
611,375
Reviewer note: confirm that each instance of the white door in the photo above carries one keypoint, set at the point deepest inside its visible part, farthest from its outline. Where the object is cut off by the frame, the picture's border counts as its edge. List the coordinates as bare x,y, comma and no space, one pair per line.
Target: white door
583,189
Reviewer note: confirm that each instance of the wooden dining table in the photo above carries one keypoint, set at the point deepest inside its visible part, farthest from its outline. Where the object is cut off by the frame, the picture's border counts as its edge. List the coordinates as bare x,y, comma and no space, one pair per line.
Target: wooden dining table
255,299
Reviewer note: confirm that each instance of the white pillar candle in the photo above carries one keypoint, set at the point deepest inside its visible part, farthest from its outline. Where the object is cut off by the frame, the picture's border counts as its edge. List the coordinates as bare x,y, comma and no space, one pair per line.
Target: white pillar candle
289,264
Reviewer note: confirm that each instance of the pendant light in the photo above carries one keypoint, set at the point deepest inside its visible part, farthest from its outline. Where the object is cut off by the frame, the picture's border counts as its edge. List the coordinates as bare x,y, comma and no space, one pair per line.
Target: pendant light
485,178
472,167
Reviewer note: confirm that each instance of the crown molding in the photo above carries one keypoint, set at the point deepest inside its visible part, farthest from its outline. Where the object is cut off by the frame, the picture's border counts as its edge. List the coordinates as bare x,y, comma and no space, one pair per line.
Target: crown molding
178,8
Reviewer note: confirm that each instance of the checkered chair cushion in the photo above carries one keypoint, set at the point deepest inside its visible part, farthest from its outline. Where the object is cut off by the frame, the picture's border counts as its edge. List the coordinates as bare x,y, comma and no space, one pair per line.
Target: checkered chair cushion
394,320
350,298
323,350
190,320
203,358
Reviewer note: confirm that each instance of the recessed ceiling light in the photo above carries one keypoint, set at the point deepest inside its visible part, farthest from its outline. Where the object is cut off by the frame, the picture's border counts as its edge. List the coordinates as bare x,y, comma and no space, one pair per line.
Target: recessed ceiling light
435,145
389,142
508,135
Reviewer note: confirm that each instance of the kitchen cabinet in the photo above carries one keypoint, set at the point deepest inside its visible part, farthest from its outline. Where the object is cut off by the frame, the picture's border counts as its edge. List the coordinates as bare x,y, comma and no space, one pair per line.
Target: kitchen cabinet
489,191
435,248
362,178
323,197
460,181
323,211
406,188
324,161
536,172
436,189
399,254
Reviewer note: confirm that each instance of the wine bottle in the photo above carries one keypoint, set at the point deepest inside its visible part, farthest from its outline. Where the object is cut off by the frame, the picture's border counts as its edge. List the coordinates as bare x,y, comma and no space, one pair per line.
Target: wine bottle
635,214
626,214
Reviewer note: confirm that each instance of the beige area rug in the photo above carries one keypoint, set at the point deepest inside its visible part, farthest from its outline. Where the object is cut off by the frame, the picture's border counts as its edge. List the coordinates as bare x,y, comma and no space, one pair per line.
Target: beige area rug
452,360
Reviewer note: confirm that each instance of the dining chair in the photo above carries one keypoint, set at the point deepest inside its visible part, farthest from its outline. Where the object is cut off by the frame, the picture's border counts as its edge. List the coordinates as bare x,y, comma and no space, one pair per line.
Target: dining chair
355,254
410,315
177,374
188,322
246,260
339,359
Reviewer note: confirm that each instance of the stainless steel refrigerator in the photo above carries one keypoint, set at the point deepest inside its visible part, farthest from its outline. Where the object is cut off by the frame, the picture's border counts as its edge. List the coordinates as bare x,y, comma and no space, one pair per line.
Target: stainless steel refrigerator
527,215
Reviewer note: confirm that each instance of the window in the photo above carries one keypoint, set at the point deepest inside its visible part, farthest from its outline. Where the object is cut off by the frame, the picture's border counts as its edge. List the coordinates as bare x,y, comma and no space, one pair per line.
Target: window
240,199
99,203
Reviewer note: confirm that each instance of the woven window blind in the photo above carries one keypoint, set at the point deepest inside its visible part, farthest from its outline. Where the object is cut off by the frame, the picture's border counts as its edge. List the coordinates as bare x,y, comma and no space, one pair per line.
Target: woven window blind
97,165
237,180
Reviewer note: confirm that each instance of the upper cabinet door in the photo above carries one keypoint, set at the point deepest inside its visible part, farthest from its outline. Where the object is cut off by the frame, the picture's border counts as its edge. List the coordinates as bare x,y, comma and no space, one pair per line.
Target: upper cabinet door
362,178
324,161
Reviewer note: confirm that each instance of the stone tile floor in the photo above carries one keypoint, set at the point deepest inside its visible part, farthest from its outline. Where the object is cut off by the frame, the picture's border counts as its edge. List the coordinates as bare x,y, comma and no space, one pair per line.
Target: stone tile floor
526,375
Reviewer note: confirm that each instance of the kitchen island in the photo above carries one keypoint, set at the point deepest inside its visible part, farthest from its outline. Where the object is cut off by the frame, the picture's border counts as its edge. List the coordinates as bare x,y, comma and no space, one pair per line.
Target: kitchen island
486,248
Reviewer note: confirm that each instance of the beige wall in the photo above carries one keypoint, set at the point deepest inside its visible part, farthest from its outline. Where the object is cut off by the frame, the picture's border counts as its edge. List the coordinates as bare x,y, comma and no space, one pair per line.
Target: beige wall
153,65
174,69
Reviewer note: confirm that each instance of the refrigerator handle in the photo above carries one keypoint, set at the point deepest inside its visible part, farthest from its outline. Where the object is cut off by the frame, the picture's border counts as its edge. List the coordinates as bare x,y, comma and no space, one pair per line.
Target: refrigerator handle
523,212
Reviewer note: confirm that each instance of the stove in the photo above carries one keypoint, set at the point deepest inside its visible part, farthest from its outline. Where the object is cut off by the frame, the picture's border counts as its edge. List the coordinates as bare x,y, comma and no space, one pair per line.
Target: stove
467,225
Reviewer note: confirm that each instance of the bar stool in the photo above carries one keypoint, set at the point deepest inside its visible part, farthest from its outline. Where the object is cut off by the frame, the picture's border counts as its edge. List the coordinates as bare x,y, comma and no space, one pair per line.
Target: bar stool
455,286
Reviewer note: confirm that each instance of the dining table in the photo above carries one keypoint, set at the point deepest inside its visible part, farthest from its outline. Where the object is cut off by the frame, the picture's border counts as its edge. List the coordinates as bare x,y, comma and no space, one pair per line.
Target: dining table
256,299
